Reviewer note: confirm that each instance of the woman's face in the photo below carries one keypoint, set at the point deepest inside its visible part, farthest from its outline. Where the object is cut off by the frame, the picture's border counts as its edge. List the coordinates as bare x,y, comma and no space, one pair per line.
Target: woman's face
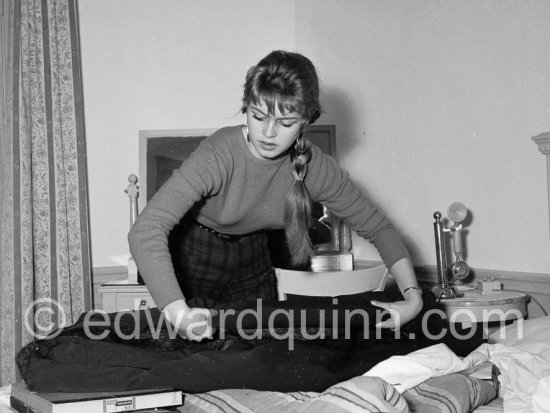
271,135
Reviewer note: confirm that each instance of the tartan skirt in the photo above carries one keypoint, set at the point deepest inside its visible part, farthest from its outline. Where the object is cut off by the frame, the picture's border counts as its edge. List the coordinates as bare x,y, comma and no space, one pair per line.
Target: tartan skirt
221,267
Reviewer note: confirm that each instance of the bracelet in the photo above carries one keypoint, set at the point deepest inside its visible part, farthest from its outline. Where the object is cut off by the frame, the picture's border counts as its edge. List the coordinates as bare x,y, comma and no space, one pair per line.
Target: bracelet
413,288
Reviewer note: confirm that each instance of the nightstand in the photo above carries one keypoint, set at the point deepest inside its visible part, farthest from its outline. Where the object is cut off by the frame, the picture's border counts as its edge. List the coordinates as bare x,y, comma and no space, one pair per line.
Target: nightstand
497,306
120,296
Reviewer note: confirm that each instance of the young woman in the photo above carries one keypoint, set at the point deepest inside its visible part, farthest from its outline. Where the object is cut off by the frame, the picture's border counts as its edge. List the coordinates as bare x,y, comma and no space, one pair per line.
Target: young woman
243,180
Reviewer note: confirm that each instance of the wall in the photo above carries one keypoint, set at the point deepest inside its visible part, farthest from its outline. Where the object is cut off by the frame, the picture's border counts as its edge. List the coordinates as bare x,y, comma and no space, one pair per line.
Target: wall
162,64
434,102
437,102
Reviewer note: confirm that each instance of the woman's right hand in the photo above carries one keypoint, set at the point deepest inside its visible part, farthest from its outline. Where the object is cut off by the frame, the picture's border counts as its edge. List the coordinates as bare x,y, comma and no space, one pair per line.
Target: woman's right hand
191,323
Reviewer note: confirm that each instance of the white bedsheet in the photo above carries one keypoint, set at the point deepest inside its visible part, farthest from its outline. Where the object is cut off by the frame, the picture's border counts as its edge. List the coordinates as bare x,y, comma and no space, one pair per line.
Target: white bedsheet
405,372
525,374
522,354
521,351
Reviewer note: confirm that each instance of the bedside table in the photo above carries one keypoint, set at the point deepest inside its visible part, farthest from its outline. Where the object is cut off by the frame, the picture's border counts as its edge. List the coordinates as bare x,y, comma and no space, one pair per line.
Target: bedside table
497,306
120,296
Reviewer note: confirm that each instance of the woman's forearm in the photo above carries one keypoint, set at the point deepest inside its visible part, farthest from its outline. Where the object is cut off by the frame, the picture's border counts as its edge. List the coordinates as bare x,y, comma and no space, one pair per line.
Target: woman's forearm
405,277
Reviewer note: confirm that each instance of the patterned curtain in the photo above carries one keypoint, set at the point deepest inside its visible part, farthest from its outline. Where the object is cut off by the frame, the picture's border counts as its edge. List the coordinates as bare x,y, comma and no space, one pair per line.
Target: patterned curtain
45,275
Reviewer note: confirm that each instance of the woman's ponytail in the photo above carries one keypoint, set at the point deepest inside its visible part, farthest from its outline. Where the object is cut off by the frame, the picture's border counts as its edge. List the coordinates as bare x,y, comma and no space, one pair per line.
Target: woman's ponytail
288,81
298,205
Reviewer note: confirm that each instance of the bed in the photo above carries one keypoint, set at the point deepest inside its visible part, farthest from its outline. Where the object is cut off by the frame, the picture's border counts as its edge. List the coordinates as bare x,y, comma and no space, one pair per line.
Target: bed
508,373
520,352
431,379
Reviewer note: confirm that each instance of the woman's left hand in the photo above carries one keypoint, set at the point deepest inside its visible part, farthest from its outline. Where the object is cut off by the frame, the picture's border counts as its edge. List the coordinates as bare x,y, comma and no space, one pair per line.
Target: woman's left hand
401,312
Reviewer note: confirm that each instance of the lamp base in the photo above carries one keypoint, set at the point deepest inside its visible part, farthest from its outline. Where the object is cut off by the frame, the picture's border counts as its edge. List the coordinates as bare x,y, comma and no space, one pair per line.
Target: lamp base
446,292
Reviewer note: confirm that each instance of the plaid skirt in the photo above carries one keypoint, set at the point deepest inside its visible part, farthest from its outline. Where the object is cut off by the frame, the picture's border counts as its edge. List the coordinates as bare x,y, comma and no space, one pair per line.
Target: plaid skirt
210,265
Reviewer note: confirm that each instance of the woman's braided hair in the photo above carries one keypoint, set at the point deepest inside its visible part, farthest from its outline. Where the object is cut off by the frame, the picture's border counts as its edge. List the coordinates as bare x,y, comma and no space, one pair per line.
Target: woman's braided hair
289,80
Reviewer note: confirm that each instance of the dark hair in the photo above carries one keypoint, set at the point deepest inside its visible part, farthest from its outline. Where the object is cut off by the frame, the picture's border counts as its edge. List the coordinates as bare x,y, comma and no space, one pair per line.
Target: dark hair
289,80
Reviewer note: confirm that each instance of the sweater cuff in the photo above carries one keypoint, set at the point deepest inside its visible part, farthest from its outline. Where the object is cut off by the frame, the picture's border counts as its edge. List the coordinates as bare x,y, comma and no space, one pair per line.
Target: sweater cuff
164,290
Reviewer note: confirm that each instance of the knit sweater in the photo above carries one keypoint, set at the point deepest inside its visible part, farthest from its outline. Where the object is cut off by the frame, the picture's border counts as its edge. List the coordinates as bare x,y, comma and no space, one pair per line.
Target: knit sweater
233,192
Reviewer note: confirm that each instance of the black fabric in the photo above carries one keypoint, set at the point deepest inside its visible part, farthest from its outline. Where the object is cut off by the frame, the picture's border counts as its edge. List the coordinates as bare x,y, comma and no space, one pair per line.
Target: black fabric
140,356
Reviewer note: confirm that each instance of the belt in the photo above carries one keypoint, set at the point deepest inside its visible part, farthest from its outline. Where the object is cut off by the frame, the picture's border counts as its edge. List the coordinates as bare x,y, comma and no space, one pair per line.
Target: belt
225,237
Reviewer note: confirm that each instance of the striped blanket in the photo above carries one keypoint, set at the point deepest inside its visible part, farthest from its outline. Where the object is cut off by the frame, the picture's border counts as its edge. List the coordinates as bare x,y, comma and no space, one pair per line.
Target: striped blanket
454,393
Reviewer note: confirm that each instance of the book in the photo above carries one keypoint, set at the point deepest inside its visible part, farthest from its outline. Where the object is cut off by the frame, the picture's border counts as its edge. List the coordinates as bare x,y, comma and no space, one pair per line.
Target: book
25,400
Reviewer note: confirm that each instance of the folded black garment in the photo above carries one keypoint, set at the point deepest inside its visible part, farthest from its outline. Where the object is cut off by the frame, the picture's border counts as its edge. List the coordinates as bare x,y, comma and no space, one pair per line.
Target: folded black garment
136,350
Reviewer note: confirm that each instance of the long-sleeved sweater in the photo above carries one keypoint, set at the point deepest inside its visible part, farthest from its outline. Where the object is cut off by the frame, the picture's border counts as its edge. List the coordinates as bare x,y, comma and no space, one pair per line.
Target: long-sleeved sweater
234,192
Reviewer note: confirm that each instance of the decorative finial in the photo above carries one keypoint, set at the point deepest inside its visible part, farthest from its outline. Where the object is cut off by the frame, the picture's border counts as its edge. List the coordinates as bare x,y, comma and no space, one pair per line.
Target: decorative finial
132,189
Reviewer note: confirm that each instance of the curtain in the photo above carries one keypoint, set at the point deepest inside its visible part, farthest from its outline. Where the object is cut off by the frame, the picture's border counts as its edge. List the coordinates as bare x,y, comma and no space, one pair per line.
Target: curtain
45,275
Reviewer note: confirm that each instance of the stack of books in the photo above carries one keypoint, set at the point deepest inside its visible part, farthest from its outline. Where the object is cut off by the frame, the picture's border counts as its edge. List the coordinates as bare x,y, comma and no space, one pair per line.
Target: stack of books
155,400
